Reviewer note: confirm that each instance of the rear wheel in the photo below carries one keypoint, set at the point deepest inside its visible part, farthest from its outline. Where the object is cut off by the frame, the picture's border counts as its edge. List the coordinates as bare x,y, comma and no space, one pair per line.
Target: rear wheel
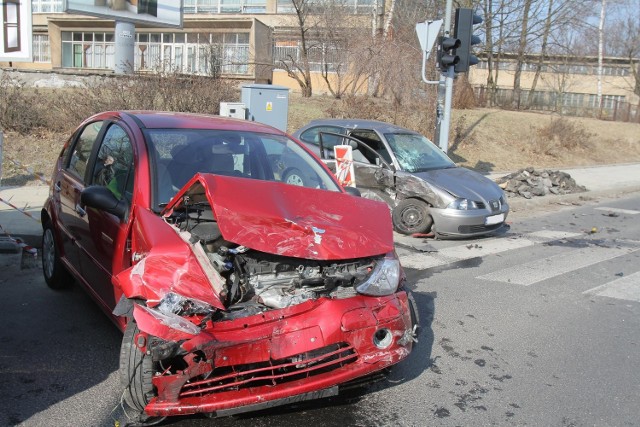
55,273
412,216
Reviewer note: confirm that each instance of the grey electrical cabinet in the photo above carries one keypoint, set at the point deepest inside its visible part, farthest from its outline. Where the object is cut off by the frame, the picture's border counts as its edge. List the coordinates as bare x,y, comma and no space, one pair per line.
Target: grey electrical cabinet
267,104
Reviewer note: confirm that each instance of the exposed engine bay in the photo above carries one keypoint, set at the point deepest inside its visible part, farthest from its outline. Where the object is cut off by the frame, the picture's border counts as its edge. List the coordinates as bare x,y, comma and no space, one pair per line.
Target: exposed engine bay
257,281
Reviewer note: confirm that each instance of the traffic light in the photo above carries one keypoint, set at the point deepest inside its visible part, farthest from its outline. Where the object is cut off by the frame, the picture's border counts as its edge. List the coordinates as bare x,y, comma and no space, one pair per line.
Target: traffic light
447,52
465,20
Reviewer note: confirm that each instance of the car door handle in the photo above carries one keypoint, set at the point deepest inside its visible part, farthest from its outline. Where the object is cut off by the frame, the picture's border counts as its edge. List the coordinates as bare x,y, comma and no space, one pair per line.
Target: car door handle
80,211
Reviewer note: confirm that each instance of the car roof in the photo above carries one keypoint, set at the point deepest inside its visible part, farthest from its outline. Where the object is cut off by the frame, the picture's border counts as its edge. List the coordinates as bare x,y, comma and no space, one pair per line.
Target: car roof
356,123
176,120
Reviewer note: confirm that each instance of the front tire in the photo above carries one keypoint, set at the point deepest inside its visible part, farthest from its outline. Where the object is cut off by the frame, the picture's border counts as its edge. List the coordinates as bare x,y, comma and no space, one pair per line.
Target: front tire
55,273
412,216
136,370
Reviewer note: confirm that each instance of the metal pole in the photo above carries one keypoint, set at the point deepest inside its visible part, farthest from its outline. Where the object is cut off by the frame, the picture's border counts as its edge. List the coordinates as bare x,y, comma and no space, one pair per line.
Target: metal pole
1,143
445,91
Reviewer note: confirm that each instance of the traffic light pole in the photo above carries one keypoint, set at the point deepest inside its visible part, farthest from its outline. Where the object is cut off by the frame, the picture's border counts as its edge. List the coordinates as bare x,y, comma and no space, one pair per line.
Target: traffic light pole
445,91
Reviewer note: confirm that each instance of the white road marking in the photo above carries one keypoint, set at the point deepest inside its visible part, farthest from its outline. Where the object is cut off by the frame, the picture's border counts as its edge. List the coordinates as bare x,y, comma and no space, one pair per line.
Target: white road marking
536,271
618,210
625,288
481,248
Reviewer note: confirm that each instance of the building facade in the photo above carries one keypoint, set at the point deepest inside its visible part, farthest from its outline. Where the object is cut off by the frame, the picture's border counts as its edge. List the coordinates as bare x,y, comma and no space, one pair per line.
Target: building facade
249,39
239,39
564,84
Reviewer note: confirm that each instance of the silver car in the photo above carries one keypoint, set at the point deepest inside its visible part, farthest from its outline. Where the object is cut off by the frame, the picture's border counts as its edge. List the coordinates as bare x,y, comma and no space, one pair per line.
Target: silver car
424,188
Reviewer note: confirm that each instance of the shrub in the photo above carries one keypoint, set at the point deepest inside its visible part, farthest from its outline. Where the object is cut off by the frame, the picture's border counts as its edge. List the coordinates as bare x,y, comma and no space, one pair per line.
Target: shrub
26,110
464,98
560,133
21,109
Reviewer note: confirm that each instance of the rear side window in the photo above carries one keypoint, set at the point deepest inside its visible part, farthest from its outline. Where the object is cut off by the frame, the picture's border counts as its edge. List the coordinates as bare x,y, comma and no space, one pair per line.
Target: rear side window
312,136
82,149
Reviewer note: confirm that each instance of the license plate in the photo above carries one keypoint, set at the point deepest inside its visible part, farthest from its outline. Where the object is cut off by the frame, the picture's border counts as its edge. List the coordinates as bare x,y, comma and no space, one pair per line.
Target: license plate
494,219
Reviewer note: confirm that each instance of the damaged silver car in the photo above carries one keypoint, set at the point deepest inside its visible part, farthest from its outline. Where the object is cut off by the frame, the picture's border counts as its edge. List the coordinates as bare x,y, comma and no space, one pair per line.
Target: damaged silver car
425,190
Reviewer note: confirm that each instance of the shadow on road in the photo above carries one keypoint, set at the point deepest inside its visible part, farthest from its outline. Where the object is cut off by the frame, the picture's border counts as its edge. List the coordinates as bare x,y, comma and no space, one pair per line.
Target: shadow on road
54,345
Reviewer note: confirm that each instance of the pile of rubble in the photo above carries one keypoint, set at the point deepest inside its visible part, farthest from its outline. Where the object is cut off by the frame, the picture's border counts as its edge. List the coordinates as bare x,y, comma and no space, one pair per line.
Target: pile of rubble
530,182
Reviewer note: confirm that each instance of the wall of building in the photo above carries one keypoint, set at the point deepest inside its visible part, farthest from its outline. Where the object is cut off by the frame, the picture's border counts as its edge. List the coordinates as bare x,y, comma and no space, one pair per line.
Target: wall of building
560,82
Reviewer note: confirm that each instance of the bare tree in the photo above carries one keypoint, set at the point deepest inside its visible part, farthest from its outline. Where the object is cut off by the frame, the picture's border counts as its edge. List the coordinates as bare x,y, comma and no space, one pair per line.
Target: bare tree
522,48
298,67
603,11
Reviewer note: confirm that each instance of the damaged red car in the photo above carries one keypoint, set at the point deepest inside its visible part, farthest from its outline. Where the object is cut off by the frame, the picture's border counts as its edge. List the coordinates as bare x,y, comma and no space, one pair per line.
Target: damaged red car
235,290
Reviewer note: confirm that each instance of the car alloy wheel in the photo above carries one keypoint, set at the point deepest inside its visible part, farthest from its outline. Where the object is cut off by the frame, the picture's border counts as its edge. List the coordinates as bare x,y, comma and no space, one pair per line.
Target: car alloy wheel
294,177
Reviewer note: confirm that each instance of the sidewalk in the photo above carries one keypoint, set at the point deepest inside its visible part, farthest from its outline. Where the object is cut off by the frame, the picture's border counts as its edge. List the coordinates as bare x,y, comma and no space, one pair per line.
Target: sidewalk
22,220
600,181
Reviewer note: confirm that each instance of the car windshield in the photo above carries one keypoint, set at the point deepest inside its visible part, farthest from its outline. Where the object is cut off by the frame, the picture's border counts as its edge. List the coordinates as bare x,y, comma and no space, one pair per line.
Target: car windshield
178,154
415,153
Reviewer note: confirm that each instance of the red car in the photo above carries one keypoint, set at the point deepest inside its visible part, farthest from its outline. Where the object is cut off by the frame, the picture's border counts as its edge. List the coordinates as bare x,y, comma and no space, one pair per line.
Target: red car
235,290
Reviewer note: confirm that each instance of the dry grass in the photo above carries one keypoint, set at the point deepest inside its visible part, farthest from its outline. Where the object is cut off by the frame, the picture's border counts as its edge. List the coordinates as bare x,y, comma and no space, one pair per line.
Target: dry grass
509,140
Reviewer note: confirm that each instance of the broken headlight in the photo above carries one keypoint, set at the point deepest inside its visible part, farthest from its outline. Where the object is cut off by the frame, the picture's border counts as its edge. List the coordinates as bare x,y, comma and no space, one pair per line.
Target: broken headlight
463,204
173,303
383,280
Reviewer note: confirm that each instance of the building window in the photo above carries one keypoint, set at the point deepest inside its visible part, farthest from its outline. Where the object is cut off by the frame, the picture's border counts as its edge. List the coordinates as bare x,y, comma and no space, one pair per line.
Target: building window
352,6
609,102
225,6
41,48
11,25
320,55
47,6
573,100
206,54
88,50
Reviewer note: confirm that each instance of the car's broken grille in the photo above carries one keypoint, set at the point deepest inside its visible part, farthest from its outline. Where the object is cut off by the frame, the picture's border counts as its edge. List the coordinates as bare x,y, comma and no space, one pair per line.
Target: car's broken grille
468,229
274,372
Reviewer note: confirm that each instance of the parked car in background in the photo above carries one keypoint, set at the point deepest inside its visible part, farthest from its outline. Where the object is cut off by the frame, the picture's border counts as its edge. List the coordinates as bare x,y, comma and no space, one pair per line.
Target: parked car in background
235,290
424,188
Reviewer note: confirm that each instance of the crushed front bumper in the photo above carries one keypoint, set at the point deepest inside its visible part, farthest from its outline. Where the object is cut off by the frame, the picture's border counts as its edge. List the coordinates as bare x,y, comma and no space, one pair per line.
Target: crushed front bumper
282,356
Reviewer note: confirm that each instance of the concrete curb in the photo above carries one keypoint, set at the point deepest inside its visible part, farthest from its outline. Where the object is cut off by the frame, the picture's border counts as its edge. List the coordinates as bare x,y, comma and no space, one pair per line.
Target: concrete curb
519,206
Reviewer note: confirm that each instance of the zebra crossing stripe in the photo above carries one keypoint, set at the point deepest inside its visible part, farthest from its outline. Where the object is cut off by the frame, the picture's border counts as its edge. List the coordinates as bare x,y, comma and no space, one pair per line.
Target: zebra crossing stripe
618,210
546,268
481,248
625,288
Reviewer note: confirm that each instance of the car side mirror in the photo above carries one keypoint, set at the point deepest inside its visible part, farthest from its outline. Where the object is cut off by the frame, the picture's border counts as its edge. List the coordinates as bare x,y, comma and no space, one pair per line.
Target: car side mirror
100,197
353,191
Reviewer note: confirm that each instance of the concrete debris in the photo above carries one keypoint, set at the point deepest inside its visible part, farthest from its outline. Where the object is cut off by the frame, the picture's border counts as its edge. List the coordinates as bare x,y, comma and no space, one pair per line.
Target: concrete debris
532,182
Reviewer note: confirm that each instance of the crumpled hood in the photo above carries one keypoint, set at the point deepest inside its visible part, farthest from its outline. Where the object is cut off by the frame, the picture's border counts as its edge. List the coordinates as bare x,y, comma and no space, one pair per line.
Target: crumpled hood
294,221
463,183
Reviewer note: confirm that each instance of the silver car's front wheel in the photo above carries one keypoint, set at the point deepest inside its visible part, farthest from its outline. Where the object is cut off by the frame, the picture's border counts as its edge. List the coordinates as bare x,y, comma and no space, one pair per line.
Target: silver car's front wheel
412,216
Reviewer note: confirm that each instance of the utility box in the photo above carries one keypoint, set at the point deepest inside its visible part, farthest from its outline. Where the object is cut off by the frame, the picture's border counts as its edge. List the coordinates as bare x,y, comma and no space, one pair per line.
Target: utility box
267,104
236,110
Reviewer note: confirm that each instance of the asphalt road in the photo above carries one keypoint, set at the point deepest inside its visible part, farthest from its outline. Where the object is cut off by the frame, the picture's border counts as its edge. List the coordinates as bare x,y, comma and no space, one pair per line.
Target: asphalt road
540,326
